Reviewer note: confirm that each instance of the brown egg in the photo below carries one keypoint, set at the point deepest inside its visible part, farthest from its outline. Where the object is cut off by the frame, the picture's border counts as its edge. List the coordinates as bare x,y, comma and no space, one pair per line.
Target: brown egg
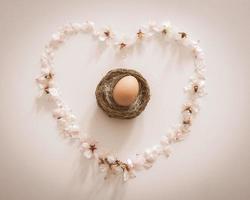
126,91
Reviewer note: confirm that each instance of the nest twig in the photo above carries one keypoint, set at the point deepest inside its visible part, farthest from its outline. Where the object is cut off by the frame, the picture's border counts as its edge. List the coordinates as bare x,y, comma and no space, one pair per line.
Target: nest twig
105,99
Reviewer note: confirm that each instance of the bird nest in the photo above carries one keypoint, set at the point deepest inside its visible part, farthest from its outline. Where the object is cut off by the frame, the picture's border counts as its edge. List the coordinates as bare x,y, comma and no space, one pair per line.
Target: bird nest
104,94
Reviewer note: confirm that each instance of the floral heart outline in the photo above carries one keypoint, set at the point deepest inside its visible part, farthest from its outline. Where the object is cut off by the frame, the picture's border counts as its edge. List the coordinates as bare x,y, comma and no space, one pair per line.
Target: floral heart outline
67,121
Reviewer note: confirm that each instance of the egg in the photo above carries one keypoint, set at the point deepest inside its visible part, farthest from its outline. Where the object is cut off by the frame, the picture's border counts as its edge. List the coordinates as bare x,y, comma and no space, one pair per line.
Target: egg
126,91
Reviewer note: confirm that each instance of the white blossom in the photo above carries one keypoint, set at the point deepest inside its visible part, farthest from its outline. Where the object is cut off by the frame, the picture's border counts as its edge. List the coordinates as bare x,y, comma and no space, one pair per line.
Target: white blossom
128,174
196,87
106,34
72,130
138,162
167,151
88,26
165,141
89,149
150,156
192,107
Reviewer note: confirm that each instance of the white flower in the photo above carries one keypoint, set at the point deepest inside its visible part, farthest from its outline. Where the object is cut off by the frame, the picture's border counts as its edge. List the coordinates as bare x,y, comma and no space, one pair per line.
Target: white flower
140,34
41,81
199,63
70,117
103,165
77,27
187,42
108,163
45,80
150,156
167,151
196,87
72,131
115,165
130,163
46,59
187,115
53,92
68,29
198,52
157,150
182,38
110,159
138,162
200,71
150,28
106,34
47,71
57,37
166,29
111,165
63,111
172,135
62,123
89,149
124,43
185,129
178,133
56,40
58,113
128,170
192,107
128,174
116,169
165,141
88,26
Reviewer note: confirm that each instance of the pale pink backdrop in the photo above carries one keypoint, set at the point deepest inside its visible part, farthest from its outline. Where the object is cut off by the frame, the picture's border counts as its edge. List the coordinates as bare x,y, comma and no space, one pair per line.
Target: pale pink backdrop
212,164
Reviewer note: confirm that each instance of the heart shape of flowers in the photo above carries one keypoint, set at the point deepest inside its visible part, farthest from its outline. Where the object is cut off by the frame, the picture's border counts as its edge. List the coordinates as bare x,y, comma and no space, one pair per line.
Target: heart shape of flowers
67,121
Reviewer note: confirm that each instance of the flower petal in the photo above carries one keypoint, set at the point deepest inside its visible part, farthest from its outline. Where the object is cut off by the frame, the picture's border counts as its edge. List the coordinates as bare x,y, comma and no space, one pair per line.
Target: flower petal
88,154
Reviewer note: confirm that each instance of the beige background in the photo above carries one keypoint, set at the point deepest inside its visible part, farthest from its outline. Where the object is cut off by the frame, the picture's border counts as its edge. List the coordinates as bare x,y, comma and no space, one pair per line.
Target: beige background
213,163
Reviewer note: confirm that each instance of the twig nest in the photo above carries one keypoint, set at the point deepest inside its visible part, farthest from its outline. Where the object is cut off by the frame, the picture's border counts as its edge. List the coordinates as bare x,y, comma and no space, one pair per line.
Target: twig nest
122,93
